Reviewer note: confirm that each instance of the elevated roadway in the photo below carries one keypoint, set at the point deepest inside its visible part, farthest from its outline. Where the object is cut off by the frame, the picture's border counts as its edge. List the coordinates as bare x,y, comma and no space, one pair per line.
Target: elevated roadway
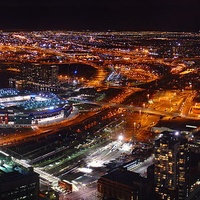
151,111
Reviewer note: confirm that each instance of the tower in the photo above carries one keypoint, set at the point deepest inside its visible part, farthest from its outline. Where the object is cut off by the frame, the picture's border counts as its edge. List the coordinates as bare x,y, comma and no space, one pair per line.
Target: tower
42,74
171,174
39,77
52,76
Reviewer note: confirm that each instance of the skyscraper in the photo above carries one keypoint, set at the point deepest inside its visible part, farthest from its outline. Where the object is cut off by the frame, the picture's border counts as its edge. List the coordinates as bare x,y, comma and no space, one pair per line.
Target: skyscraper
38,77
171,174
42,74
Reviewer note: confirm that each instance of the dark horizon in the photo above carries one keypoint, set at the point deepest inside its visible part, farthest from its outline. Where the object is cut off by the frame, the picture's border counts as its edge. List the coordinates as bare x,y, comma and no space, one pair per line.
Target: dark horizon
100,16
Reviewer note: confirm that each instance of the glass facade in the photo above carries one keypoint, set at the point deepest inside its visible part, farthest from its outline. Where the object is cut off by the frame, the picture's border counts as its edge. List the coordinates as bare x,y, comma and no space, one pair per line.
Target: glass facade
171,167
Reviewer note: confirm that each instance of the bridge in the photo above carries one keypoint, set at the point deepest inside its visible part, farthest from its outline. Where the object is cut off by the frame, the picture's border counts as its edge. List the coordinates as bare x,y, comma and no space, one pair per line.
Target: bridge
151,111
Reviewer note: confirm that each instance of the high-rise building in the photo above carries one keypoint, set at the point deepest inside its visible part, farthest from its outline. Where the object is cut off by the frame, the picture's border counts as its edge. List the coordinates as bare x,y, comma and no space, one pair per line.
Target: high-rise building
171,174
42,74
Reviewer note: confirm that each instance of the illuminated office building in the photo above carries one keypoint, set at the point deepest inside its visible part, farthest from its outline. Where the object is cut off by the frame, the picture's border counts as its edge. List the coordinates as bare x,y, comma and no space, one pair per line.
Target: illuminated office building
171,174
37,77
42,74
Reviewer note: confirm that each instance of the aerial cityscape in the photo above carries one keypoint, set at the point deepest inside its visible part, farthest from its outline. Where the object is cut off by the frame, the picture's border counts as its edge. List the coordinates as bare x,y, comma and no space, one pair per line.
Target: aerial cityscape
99,115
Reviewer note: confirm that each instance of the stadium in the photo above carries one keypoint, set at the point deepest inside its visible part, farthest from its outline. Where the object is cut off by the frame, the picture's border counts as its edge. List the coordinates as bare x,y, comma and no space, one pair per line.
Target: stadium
25,107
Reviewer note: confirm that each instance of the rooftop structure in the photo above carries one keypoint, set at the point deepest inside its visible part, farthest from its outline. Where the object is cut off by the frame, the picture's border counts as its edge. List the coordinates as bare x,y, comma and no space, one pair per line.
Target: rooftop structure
27,108
123,184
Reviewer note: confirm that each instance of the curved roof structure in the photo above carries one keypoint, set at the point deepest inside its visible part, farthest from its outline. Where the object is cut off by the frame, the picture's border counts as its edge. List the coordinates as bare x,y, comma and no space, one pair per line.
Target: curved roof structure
27,102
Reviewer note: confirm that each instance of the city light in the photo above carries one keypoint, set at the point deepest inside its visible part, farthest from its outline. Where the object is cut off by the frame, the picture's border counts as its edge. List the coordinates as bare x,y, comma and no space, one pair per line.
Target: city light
96,163
85,170
177,133
84,105
126,147
120,137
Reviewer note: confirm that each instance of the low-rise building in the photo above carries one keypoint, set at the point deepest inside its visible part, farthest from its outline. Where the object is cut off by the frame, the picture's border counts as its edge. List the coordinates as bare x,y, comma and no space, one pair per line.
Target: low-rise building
124,185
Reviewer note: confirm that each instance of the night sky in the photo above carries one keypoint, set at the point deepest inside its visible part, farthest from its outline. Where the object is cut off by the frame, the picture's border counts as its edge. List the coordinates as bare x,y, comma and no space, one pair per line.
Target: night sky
95,15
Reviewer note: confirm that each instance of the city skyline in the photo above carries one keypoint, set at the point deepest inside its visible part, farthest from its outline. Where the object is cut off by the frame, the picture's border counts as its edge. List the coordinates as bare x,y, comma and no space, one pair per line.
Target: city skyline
95,86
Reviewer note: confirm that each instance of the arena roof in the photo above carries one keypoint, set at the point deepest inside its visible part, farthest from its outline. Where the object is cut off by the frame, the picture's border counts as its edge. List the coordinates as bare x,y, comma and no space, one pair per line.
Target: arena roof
41,101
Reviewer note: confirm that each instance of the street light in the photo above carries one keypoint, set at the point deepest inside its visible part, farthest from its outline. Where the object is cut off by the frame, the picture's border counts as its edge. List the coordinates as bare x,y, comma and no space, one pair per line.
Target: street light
120,137
140,112
134,127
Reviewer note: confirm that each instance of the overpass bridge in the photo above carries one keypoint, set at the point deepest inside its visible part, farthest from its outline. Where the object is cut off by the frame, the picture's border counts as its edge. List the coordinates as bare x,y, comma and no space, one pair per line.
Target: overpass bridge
140,109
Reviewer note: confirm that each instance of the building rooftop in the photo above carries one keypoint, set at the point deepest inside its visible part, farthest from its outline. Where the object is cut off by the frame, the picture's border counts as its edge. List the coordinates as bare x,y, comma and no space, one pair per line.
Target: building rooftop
9,170
125,177
179,124
42,101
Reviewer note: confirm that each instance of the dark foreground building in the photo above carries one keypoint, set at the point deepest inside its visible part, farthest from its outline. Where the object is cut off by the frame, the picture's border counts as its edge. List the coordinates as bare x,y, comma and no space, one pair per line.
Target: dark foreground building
18,184
124,185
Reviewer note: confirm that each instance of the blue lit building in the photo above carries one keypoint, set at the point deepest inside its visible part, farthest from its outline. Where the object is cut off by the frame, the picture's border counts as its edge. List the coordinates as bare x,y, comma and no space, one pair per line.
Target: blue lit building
26,108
